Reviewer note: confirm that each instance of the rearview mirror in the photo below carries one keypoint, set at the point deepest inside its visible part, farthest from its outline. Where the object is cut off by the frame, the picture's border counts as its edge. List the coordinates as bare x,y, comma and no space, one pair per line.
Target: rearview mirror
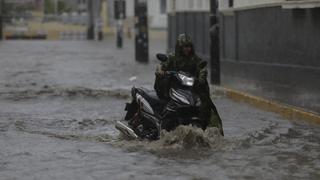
203,64
162,57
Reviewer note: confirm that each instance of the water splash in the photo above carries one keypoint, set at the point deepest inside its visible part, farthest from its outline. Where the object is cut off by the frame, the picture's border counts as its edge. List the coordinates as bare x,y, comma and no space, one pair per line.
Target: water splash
188,137
184,141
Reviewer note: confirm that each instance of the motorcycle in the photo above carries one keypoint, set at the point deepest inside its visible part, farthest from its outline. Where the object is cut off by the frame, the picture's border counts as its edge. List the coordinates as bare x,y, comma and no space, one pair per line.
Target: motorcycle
147,115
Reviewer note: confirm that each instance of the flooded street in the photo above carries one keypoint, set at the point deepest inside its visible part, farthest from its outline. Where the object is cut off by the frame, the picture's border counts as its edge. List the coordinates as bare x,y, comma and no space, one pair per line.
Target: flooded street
59,101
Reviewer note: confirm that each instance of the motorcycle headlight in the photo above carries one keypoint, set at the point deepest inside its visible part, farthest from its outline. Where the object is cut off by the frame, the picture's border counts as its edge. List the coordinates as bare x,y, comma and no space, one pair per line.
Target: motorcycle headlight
187,81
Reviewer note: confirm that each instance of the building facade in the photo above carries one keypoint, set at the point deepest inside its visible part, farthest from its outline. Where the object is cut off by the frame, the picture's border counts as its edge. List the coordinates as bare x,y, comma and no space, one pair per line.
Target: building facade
271,48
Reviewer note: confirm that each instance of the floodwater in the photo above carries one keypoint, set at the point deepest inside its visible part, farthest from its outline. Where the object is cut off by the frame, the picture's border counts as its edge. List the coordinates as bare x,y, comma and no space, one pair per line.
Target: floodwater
59,101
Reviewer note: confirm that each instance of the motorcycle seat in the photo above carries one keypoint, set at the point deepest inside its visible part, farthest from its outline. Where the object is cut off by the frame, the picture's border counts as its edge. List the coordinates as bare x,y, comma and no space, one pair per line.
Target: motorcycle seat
152,97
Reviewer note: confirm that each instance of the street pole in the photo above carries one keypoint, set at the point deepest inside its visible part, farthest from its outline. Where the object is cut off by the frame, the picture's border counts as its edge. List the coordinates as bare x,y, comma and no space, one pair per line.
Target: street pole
99,21
119,33
119,16
1,18
90,30
141,31
214,43
56,8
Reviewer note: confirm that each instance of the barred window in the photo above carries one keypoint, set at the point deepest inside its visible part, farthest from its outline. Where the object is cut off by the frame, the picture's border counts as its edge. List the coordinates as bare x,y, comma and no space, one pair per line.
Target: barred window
163,6
230,3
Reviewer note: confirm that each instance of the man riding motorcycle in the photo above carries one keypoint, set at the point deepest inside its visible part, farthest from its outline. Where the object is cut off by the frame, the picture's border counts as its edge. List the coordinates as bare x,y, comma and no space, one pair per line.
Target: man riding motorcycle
185,59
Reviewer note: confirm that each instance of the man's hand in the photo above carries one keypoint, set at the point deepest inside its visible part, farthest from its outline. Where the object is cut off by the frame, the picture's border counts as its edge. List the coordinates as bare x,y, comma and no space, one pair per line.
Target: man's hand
203,74
159,71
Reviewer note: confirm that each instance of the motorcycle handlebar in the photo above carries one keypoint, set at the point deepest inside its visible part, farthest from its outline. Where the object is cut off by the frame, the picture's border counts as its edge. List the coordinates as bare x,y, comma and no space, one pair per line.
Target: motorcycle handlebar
170,72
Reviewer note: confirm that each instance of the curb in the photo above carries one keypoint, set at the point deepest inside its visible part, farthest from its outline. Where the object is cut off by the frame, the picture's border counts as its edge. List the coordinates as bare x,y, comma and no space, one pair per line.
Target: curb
286,111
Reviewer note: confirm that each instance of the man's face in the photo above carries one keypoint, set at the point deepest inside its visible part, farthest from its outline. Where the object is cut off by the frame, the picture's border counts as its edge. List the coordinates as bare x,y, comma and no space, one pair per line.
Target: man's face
187,50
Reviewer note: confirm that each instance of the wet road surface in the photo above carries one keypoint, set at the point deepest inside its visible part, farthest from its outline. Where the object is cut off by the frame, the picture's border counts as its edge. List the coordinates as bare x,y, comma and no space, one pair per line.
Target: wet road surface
59,101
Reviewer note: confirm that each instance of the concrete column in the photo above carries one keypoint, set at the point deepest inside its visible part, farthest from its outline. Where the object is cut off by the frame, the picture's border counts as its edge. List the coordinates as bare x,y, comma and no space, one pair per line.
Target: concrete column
120,15
214,43
141,31
90,10
1,18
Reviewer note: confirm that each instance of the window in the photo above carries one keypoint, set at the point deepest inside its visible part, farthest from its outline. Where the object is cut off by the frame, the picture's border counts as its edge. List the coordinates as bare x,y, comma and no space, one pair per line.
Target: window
163,6
230,3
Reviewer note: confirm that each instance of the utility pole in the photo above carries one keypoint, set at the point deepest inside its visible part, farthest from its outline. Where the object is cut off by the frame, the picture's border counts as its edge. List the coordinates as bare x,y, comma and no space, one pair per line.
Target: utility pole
90,30
119,9
214,43
97,6
141,30
56,7
1,18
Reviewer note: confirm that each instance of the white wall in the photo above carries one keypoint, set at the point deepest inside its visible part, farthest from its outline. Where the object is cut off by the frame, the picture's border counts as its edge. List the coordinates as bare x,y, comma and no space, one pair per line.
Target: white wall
241,3
156,19
188,5
153,7
224,4
204,5
130,8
